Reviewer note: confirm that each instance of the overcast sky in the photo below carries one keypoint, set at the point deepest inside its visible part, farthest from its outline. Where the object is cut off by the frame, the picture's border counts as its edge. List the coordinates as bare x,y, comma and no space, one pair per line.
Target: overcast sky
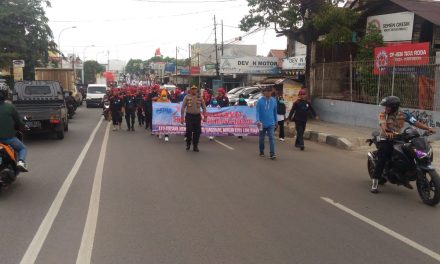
135,28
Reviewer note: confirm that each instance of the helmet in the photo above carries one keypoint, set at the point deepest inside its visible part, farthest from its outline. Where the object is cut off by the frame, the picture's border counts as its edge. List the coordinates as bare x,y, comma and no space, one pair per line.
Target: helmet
391,101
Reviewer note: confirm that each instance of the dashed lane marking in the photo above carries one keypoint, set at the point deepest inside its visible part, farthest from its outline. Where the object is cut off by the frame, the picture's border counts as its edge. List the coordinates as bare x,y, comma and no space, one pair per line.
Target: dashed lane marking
224,145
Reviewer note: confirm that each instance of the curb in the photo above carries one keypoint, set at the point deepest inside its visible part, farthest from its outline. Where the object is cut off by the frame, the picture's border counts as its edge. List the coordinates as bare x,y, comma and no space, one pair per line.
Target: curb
323,138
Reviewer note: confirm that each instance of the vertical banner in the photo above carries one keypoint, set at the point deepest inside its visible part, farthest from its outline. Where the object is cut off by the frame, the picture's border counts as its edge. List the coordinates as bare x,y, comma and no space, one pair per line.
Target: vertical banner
290,93
227,121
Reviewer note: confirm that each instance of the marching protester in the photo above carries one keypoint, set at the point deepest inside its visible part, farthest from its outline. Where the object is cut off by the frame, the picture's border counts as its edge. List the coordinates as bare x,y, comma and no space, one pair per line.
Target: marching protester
299,114
281,116
139,108
192,103
163,99
130,111
152,97
222,99
267,120
116,111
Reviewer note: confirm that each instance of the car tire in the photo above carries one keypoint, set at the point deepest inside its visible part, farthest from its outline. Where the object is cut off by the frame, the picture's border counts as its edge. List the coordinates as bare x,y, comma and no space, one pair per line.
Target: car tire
60,133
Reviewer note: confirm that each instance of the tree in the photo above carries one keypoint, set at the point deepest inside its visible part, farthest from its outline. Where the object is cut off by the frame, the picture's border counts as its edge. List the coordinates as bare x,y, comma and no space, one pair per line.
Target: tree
25,34
372,39
91,68
302,20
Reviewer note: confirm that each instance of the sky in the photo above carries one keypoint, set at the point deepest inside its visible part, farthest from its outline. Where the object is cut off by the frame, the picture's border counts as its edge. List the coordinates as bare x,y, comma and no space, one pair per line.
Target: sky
134,29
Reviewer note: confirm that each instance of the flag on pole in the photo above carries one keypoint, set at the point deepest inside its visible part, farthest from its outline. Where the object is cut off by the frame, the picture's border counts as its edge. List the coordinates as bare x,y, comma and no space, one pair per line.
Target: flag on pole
157,53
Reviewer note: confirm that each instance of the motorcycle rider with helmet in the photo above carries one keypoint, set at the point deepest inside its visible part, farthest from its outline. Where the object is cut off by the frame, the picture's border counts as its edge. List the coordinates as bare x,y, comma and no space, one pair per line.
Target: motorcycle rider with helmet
391,122
9,122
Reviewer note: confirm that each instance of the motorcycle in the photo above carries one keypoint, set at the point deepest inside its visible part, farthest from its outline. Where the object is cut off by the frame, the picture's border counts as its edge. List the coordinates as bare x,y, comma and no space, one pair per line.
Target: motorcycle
106,110
411,161
8,163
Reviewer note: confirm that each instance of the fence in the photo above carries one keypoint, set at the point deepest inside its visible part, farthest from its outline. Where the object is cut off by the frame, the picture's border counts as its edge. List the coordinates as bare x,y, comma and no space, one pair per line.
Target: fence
356,81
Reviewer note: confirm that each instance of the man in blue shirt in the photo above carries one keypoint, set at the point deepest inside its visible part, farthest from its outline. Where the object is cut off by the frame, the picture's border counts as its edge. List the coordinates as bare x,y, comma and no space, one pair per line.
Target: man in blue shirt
267,120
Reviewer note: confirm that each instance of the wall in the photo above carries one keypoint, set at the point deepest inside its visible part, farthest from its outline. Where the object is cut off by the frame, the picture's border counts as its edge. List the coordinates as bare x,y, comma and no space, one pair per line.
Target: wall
365,115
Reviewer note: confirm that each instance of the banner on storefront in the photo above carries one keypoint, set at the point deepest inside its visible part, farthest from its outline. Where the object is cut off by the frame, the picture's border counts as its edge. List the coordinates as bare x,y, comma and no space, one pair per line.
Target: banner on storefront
195,70
227,121
250,65
294,63
400,56
394,27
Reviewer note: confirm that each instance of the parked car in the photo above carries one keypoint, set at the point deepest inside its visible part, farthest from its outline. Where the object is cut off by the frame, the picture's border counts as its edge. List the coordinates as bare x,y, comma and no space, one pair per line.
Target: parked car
95,94
235,90
246,92
44,106
252,100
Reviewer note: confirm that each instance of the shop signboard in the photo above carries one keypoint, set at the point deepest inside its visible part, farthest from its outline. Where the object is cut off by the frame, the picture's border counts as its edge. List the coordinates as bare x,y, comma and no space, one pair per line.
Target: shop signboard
249,65
395,26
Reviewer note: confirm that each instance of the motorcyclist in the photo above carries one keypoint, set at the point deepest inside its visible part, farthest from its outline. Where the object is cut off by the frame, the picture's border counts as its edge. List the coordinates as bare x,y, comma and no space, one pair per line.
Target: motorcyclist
9,123
391,122
71,103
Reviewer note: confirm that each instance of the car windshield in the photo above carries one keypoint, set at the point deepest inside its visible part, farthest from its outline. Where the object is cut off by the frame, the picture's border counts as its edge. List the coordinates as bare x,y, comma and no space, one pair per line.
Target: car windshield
250,91
235,90
96,90
37,90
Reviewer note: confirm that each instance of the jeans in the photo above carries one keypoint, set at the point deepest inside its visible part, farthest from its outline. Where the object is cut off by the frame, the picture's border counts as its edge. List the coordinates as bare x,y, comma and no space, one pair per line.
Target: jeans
300,128
17,145
270,131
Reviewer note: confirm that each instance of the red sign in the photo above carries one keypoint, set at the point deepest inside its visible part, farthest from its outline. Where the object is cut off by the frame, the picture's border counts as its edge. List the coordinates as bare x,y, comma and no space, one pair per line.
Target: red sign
401,55
195,70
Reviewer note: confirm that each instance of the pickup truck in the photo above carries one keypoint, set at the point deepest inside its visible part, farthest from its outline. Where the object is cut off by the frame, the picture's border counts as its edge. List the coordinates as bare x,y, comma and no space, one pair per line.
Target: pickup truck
42,104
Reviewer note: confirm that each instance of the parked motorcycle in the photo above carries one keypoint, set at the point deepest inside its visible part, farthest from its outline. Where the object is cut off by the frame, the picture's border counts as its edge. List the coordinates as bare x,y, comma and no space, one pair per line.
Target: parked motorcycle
411,161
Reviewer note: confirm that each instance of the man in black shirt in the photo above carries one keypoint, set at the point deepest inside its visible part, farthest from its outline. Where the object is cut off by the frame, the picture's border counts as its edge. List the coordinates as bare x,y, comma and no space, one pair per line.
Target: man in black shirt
130,111
299,114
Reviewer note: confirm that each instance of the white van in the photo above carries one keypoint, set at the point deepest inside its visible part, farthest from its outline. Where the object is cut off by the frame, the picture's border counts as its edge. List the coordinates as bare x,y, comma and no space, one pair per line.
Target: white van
95,94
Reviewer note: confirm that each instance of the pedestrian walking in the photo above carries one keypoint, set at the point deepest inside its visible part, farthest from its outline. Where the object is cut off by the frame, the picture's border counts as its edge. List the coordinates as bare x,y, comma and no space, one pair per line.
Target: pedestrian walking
140,108
116,111
281,116
152,97
267,120
299,114
191,115
163,99
130,111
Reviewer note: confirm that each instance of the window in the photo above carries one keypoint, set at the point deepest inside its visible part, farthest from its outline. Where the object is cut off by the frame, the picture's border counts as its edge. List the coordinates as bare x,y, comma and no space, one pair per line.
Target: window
38,90
96,90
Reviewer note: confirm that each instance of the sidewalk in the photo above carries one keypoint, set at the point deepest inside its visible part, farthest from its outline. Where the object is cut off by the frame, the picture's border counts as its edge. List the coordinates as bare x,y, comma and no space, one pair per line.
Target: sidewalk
347,137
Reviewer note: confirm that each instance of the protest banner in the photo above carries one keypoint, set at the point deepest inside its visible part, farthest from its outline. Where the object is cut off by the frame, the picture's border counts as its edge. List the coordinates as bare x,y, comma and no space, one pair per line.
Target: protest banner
227,121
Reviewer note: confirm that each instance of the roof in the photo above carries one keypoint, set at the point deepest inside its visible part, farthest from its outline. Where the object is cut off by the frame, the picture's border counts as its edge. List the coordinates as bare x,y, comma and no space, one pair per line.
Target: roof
427,9
277,54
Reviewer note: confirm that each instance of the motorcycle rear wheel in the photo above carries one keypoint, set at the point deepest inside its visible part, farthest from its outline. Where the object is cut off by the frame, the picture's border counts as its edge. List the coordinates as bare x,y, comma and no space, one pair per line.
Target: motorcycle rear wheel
428,187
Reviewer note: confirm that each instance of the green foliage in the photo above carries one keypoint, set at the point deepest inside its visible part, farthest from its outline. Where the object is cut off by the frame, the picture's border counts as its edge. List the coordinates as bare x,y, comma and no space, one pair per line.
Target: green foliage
91,68
336,23
372,39
25,34
138,66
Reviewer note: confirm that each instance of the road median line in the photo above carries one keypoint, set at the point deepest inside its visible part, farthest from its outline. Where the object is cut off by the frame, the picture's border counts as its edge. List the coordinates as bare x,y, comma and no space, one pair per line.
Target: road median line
37,242
88,237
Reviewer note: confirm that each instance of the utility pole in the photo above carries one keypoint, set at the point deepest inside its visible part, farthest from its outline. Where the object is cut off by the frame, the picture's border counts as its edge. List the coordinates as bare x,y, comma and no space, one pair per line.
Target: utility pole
189,67
176,69
223,76
217,68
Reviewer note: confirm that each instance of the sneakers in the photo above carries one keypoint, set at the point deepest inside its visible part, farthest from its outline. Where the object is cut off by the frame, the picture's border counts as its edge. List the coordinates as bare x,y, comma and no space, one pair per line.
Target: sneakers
188,147
302,148
114,128
211,138
282,139
273,156
167,139
374,186
262,154
22,166
159,136
196,149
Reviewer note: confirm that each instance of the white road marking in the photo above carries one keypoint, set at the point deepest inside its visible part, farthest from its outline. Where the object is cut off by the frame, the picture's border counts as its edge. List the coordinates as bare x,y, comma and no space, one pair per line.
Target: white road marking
88,237
37,242
224,145
386,230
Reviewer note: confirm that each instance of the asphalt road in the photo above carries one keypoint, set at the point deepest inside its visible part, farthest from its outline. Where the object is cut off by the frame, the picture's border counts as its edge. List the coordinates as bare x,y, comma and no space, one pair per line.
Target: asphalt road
153,202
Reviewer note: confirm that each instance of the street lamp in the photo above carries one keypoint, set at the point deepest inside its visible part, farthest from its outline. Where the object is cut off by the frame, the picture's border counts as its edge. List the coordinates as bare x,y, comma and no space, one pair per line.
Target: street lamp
59,43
